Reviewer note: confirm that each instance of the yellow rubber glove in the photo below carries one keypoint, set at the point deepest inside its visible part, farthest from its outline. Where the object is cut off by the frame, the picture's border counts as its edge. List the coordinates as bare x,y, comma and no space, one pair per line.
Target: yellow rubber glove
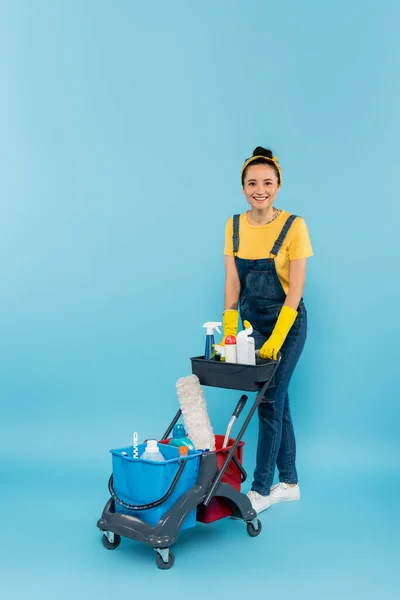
230,322
274,343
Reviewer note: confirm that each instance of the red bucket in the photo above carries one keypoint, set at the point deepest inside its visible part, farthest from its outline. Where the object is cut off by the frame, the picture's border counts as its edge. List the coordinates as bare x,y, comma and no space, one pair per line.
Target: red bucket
219,508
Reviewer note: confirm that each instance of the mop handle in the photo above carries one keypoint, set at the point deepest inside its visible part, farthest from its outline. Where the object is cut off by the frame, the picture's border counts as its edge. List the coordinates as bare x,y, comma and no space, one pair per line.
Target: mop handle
228,432
240,406
235,414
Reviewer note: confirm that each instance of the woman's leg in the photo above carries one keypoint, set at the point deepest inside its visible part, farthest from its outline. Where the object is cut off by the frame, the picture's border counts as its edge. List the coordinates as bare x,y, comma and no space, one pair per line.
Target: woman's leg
286,460
271,410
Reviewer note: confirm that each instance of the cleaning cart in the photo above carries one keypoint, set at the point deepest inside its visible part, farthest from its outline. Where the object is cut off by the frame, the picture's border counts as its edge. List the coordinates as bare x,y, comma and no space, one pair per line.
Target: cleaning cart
202,486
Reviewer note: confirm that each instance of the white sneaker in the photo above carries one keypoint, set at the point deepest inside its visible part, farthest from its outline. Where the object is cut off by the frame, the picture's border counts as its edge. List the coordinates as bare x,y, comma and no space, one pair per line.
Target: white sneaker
282,492
258,502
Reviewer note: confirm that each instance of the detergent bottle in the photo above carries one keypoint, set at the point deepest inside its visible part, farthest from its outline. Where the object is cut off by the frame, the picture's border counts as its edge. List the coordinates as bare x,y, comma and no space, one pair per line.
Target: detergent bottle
152,452
245,346
230,349
179,438
209,350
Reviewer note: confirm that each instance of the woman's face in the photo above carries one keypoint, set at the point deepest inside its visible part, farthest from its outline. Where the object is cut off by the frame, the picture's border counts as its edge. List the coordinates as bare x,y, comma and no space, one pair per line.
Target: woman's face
261,186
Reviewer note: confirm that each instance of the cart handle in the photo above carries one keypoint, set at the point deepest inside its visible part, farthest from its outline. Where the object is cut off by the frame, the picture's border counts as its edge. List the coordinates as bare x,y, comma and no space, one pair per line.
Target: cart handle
150,504
232,451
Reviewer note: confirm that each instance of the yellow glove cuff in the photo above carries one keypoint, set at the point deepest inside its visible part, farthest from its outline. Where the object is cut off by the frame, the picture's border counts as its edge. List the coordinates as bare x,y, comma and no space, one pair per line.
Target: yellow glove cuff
286,318
230,322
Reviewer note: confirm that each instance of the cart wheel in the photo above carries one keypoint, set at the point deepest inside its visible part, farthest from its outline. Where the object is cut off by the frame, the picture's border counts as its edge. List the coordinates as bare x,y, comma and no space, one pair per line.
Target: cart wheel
114,544
252,531
165,565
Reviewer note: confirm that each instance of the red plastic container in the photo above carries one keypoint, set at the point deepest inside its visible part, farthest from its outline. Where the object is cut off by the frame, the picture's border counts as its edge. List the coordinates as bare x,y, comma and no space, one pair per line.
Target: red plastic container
218,507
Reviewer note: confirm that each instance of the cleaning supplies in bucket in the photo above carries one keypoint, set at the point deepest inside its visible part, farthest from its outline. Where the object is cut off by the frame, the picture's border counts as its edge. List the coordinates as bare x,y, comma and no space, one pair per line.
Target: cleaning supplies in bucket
194,412
139,482
179,438
152,452
241,349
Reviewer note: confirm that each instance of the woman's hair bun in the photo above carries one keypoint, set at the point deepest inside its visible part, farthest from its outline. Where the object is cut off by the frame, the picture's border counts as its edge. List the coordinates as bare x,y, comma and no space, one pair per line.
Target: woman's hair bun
260,151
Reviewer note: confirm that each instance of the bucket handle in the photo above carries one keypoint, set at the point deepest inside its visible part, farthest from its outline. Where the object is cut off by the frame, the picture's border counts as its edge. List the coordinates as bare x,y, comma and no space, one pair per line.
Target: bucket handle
150,504
238,465
243,473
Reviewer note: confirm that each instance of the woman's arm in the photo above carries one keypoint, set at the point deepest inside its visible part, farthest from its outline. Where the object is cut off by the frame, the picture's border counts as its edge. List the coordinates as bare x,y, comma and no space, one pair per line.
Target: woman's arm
288,313
297,278
232,284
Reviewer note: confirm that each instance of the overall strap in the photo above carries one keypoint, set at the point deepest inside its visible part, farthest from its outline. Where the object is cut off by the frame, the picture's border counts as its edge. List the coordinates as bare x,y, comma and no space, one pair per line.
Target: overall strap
282,235
235,236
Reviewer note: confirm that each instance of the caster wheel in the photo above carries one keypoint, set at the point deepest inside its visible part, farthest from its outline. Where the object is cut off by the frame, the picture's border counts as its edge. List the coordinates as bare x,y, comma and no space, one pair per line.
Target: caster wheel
252,531
108,544
165,565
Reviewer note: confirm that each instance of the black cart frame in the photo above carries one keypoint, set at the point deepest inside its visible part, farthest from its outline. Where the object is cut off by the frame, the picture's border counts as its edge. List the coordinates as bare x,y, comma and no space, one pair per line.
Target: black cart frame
165,533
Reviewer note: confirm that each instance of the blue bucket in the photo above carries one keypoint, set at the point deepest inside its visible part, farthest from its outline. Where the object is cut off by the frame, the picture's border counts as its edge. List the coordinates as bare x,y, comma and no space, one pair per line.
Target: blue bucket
139,482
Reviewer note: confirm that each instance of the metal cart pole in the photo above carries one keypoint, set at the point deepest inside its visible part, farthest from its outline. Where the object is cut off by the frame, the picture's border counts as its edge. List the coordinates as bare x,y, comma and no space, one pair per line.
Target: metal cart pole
172,425
258,399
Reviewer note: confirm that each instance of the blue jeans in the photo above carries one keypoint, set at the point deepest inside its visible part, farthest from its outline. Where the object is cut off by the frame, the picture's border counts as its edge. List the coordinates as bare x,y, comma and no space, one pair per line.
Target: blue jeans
276,440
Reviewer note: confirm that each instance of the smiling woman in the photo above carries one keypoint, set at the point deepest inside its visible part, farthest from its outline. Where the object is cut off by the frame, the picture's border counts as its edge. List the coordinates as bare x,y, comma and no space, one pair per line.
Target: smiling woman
265,263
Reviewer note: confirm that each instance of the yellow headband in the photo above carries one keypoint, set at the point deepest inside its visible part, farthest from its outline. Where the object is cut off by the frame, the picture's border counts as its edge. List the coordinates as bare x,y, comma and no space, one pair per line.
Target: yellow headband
274,159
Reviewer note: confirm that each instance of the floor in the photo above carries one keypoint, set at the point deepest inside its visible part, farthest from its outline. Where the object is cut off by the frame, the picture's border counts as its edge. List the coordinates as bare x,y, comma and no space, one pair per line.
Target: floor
341,541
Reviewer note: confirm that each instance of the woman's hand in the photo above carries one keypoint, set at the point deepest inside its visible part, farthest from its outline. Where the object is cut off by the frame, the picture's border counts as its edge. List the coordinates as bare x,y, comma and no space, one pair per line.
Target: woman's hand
230,322
274,343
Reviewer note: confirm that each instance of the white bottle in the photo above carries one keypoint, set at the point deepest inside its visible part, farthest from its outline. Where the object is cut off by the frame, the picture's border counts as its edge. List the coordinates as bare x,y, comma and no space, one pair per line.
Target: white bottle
230,349
245,346
152,452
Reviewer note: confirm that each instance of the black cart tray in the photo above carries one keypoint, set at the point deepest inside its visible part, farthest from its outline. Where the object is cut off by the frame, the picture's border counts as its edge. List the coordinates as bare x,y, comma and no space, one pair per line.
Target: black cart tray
232,376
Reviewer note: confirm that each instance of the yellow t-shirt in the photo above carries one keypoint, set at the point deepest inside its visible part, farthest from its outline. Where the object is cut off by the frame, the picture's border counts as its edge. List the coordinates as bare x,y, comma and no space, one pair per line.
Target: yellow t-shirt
256,241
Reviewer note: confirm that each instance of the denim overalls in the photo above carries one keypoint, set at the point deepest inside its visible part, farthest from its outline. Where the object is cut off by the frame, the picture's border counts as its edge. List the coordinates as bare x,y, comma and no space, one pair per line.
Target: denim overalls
261,299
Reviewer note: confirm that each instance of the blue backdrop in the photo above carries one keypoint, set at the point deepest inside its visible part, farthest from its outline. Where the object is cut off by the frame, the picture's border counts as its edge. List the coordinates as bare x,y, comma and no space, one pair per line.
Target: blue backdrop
124,126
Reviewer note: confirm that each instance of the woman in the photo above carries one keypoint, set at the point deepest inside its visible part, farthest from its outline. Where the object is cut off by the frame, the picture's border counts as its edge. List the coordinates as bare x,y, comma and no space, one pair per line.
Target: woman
265,263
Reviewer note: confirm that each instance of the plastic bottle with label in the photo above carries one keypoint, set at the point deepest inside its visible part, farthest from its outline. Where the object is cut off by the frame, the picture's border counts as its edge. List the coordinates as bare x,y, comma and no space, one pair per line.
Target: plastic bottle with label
245,346
152,452
230,349
179,438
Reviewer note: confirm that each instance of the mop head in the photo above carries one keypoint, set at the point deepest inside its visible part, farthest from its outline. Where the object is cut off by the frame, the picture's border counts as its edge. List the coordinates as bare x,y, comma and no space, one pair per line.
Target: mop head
194,412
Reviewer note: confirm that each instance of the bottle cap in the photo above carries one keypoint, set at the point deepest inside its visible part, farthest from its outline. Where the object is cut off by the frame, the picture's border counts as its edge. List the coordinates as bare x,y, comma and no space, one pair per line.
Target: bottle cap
230,340
178,431
183,450
152,446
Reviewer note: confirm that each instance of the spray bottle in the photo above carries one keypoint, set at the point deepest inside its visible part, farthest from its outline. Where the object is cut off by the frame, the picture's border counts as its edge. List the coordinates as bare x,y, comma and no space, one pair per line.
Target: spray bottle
209,350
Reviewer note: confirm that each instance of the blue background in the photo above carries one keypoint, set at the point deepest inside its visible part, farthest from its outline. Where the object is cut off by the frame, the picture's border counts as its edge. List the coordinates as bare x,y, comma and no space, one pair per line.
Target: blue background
124,126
